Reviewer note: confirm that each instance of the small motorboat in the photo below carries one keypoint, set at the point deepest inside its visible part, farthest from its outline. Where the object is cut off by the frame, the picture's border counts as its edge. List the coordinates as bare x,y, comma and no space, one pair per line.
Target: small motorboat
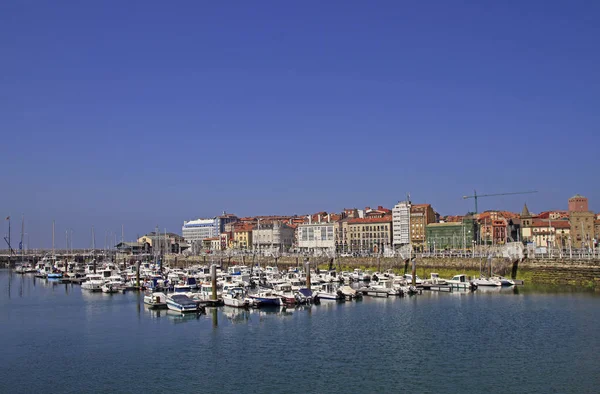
375,291
156,300
182,303
266,298
328,292
236,297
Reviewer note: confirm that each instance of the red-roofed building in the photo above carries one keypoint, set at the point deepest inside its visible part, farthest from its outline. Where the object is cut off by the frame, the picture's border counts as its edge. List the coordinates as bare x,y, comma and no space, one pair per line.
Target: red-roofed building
553,215
242,236
549,233
420,216
370,234
377,213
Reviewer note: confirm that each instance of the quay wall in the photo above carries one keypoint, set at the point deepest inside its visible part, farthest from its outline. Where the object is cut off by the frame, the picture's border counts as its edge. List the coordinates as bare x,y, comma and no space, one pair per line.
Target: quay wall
579,272
538,271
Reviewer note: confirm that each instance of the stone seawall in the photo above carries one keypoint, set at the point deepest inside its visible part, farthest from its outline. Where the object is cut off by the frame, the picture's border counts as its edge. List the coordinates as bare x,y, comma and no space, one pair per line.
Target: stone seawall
572,272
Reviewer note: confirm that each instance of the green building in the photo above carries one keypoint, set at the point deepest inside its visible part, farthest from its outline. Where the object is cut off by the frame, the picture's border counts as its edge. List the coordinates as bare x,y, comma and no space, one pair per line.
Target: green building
454,235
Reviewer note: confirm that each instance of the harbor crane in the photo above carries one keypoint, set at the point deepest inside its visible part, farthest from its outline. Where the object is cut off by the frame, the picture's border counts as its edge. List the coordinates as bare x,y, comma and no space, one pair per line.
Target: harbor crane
475,196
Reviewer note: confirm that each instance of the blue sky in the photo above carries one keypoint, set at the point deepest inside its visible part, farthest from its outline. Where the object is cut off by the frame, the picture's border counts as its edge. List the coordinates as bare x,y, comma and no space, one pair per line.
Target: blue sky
148,113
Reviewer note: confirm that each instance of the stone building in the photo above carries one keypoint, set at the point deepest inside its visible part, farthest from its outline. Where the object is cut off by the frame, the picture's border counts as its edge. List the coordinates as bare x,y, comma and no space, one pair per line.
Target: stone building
578,203
274,236
370,234
582,229
582,222
420,216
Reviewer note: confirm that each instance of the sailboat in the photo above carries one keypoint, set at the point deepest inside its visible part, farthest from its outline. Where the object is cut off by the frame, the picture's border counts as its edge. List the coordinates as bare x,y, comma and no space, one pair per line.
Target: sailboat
483,281
23,267
54,274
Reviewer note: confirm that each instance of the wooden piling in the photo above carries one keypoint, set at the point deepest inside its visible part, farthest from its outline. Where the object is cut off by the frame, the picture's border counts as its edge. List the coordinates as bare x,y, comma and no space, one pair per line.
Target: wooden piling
213,274
414,271
137,274
307,265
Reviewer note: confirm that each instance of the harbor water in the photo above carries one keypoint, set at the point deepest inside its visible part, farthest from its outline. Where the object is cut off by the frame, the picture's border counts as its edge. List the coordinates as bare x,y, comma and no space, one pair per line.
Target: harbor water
60,338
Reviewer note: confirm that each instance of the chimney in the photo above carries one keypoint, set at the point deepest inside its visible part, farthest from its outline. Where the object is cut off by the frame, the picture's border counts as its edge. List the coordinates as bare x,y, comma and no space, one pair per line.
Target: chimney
319,217
309,219
328,218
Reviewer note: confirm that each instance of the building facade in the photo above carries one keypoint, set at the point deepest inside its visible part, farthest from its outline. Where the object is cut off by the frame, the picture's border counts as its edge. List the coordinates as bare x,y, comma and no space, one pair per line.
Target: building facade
578,203
582,229
199,229
342,232
224,220
451,235
242,237
316,236
164,243
401,224
275,236
420,216
551,234
370,234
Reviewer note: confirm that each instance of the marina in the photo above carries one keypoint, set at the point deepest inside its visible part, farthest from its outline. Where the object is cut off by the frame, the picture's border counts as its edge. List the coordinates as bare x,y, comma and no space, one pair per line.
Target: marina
401,332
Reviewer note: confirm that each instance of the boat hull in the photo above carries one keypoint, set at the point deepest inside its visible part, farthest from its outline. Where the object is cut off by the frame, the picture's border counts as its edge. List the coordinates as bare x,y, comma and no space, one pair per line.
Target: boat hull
235,302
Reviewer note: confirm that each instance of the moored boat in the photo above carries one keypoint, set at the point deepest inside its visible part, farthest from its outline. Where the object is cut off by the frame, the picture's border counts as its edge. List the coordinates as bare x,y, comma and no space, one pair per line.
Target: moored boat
266,298
93,282
460,281
236,297
182,303
375,291
328,292
156,300
486,282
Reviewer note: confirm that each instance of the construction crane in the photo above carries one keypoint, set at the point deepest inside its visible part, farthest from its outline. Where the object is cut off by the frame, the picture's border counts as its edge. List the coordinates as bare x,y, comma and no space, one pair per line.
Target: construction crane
475,196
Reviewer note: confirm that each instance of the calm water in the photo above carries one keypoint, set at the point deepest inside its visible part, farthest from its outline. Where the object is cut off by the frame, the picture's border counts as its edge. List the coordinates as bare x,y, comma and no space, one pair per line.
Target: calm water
56,338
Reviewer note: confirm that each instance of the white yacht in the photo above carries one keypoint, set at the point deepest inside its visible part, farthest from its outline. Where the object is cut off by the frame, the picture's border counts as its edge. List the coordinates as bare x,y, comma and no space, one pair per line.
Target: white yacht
93,282
236,297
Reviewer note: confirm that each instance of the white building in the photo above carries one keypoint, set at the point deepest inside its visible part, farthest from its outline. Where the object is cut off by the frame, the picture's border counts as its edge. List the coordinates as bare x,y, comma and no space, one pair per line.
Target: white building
316,236
401,223
199,229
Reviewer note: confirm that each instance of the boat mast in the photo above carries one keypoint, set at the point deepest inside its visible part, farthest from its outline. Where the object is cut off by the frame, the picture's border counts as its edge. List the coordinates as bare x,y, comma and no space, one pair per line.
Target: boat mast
22,229
53,252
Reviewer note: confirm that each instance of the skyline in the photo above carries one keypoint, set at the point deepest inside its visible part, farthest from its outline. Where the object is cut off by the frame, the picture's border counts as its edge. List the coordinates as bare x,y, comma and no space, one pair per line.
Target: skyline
146,114
104,240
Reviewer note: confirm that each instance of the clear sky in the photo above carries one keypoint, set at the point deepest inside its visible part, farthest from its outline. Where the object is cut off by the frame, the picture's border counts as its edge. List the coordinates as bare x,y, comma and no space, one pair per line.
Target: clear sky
149,113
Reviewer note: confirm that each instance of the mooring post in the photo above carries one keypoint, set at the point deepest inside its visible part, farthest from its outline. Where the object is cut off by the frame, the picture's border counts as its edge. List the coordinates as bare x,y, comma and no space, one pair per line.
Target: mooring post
307,264
213,274
137,274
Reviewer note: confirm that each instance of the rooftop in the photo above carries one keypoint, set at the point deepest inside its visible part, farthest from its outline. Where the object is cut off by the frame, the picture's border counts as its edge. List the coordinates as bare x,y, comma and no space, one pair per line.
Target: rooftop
199,222
450,224
384,219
